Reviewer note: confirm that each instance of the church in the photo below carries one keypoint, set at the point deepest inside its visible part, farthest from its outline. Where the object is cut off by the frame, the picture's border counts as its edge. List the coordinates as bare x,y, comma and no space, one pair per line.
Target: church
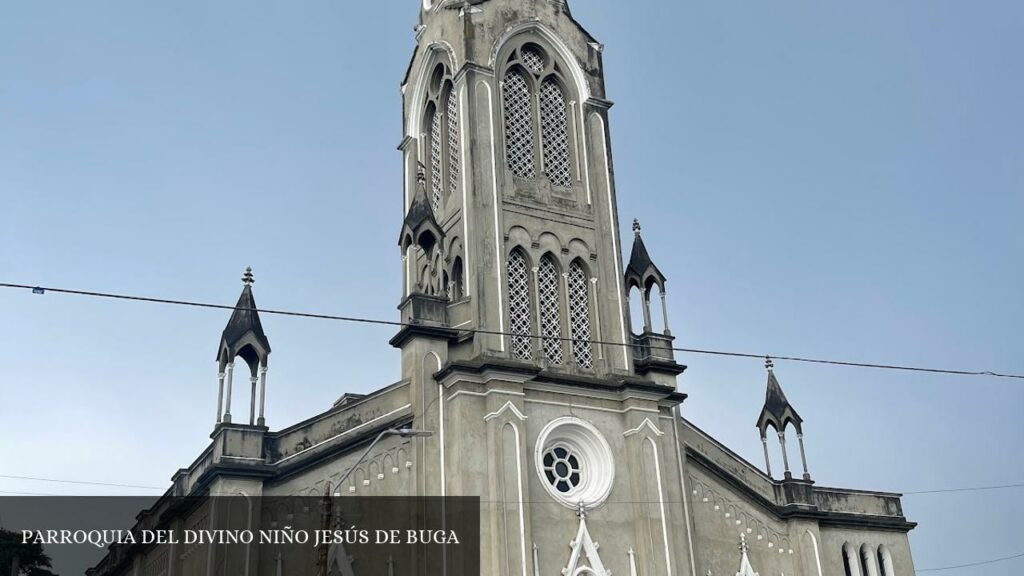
525,379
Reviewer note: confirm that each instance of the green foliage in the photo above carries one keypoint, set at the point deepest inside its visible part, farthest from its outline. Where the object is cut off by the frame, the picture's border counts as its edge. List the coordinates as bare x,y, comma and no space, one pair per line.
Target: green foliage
32,561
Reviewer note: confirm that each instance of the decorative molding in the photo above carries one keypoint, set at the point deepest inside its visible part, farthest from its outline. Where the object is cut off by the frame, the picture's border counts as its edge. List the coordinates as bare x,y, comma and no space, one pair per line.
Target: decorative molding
506,407
583,545
733,512
645,424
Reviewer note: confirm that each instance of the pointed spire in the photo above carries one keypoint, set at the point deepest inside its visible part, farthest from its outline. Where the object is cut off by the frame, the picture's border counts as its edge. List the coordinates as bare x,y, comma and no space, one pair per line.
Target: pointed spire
243,335
745,568
641,271
420,216
777,410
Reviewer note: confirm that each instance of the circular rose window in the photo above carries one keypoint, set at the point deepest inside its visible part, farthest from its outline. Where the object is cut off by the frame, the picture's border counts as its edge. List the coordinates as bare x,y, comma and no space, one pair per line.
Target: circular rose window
575,462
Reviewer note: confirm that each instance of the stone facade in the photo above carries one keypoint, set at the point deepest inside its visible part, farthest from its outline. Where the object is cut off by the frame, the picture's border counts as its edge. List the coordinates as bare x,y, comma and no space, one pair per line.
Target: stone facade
543,396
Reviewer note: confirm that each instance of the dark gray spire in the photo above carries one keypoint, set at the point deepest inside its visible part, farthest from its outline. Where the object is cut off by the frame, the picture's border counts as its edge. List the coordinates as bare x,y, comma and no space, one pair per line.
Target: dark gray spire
641,271
419,219
243,336
777,410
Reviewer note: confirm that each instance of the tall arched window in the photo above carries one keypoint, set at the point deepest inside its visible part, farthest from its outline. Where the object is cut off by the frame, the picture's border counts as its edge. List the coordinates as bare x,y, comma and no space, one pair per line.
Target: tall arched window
519,305
518,109
436,177
867,561
550,319
555,133
440,144
579,315
851,560
532,78
454,150
885,562
458,290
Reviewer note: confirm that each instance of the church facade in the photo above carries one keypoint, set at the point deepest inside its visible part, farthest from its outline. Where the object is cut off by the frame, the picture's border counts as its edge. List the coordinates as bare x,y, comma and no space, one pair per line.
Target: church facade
541,394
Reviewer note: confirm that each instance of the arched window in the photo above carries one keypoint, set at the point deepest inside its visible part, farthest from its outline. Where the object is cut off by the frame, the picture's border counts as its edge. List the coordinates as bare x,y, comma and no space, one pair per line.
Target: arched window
436,177
458,289
518,109
454,150
579,315
550,319
555,133
519,305
867,561
531,79
885,562
441,142
851,561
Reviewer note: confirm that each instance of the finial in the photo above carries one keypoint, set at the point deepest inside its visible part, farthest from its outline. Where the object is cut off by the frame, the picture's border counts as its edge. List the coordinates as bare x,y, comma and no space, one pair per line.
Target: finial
581,510
247,278
636,226
768,364
421,175
743,543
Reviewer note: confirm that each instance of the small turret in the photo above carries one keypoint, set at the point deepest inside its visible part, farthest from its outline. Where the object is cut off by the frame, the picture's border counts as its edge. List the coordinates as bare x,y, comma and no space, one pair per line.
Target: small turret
779,414
243,337
641,273
422,241
652,351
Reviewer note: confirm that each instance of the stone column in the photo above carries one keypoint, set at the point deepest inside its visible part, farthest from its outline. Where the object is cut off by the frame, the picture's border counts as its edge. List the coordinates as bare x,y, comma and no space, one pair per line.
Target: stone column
767,461
785,457
227,408
595,307
647,311
567,345
220,395
263,395
664,314
252,401
803,456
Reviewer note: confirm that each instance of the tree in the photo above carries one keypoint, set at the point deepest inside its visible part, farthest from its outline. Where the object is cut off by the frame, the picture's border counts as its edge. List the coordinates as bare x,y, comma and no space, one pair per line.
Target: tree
31,560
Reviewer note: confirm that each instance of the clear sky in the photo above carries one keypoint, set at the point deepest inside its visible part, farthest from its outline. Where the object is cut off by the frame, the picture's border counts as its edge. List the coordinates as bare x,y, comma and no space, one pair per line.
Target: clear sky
828,179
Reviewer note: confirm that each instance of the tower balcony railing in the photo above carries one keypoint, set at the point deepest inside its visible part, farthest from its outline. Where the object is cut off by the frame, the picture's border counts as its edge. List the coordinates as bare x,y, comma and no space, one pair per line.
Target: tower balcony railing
652,346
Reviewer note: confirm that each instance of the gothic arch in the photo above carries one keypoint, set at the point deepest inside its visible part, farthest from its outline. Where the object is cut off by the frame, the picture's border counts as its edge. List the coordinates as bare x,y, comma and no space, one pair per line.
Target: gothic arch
520,303
580,321
550,242
433,54
539,111
544,36
549,305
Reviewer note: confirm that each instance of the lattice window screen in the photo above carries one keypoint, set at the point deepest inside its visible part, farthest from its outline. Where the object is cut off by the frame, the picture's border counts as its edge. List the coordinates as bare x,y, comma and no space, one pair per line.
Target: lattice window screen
518,125
555,133
533,60
454,150
550,323
579,316
519,306
436,183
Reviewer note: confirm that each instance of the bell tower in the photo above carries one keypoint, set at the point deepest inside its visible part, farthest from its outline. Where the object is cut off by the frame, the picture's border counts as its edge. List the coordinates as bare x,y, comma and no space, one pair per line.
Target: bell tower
506,144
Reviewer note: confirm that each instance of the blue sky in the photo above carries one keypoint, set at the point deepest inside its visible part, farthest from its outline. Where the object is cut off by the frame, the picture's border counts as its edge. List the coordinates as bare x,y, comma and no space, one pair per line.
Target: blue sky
826,179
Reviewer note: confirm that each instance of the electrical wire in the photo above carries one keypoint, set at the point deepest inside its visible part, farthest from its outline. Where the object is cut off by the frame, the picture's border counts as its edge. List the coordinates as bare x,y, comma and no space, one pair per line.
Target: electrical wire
355,319
972,564
36,479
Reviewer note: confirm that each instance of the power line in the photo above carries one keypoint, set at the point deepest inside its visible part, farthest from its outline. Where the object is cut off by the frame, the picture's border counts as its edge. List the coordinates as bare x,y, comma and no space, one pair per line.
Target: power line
973,489
355,319
36,479
981,563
